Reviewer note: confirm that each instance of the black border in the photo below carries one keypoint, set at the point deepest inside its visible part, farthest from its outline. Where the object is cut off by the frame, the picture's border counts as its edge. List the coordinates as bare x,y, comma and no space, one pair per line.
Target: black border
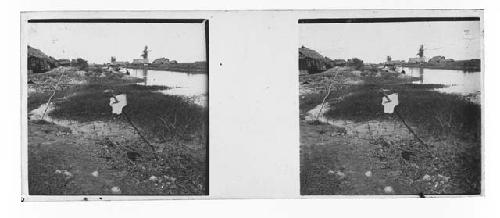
144,20
387,19
114,20
207,159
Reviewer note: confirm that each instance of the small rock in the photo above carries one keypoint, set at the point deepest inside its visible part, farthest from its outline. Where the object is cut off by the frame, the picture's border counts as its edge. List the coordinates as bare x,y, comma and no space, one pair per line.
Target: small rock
426,177
153,178
368,173
341,175
116,190
95,173
445,178
67,173
388,190
170,178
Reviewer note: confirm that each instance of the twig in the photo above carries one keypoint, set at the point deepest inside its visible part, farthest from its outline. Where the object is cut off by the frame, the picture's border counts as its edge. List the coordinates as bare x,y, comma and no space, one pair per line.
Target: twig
410,129
53,93
327,95
324,99
139,133
171,126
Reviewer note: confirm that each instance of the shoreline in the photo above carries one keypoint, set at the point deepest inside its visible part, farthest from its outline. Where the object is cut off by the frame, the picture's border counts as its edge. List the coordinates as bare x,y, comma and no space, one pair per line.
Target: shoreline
190,68
441,67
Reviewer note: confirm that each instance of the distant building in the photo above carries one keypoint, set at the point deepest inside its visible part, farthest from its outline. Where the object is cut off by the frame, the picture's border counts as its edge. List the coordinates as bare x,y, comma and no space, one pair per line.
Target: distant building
355,62
339,62
63,62
395,62
119,63
140,61
161,61
437,60
416,60
79,63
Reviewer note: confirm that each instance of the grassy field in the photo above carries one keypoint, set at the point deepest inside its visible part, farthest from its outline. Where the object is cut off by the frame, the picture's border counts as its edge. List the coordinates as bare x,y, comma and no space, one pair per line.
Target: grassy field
171,161
437,113
377,152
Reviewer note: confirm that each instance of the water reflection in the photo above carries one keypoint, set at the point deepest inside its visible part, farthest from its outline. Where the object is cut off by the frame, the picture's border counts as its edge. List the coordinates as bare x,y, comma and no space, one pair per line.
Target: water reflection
145,75
457,81
191,86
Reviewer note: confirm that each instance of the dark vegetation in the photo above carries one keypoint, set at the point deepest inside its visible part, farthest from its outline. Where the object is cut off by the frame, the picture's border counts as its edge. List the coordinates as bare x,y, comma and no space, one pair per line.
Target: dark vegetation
80,63
163,116
437,113
313,62
151,111
356,63
39,62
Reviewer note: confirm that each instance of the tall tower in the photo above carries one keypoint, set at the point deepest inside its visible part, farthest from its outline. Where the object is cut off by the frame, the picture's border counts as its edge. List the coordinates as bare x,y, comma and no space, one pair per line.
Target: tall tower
421,51
145,52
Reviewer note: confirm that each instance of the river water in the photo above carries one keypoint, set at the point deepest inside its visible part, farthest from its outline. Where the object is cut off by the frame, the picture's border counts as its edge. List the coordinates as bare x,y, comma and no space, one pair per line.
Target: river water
191,86
456,81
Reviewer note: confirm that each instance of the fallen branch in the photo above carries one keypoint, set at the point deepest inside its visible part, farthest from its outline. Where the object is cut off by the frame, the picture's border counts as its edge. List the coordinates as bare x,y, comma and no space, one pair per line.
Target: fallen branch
409,128
53,93
404,122
139,133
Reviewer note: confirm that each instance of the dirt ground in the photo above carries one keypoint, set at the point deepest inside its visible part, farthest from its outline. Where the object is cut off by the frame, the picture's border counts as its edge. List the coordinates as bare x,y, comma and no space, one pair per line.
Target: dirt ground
66,162
379,155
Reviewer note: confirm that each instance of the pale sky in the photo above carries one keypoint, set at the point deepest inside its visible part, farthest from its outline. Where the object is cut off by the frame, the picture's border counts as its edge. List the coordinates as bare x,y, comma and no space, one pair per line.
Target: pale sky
97,42
373,42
